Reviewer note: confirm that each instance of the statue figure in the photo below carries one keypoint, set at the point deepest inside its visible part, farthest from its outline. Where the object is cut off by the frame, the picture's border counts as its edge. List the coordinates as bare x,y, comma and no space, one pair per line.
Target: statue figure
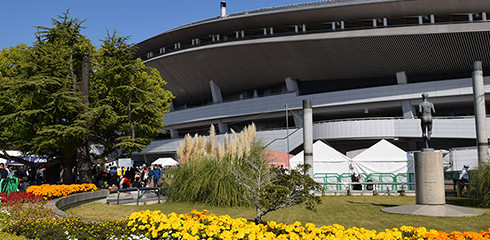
426,109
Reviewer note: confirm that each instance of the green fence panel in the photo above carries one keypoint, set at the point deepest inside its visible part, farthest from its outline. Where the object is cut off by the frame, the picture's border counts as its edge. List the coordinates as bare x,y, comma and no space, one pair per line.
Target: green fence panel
405,177
328,178
382,177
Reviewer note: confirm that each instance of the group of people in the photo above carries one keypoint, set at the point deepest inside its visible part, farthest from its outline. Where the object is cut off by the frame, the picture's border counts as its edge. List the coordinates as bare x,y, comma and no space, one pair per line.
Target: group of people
23,176
121,177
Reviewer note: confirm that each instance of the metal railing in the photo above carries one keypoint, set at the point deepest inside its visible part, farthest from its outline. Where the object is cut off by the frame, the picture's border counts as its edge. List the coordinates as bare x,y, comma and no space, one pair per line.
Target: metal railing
157,190
367,186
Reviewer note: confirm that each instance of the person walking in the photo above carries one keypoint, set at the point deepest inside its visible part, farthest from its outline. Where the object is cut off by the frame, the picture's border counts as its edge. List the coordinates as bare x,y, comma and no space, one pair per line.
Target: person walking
156,174
464,177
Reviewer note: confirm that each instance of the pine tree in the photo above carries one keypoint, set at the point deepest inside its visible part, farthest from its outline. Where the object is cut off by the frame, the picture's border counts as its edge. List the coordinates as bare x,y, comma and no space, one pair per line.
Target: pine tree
63,96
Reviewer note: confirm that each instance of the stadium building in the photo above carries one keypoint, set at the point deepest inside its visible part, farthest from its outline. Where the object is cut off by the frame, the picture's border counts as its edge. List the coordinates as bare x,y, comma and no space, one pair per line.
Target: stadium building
363,63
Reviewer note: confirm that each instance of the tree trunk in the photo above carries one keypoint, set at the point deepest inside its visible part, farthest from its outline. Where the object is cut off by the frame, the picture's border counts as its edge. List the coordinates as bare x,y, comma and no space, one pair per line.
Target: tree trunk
84,164
258,216
67,167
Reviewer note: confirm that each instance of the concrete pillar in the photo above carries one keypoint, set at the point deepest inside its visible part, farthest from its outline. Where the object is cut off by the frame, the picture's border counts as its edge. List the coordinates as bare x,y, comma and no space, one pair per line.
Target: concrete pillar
470,17
480,114
401,77
303,27
291,85
342,25
308,134
215,92
484,16
432,19
222,128
385,22
296,28
375,22
174,133
407,108
298,117
429,178
421,20
333,25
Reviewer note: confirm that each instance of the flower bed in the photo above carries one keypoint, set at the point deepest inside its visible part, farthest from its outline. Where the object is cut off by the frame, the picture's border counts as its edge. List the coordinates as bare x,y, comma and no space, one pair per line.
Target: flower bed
53,191
9,199
69,228
200,225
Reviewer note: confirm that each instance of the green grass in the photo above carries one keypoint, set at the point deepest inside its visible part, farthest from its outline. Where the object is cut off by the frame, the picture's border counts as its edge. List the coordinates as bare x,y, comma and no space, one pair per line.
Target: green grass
349,211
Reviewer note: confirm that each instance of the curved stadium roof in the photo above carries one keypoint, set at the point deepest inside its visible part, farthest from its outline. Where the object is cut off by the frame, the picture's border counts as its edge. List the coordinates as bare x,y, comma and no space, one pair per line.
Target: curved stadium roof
359,51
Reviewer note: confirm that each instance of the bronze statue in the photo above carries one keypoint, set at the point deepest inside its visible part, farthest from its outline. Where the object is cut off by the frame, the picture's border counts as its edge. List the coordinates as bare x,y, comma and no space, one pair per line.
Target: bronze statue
426,109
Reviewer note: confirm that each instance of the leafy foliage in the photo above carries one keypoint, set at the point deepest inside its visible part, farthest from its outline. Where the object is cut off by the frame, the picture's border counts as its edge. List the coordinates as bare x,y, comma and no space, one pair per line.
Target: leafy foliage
204,180
237,173
44,112
480,180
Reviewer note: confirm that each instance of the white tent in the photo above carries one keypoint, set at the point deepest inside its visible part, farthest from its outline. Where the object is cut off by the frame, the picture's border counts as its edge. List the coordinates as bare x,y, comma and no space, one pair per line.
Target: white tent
10,153
325,159
165,162
383,157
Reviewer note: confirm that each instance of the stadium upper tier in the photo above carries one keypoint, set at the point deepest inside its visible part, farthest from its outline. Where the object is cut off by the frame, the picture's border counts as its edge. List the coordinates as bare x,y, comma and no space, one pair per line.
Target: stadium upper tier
321,46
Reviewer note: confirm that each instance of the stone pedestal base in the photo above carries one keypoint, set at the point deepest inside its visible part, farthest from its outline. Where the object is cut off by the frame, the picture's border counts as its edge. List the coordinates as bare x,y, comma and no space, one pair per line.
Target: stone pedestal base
429,178
429,190
445,210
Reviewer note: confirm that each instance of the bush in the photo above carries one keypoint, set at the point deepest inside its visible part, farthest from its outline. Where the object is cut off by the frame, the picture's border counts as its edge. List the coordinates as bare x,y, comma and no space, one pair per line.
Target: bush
205,173
480,180
205,180
29,211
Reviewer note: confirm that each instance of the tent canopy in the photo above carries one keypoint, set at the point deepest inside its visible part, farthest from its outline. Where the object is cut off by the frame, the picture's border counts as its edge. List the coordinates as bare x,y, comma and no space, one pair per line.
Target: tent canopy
165,162
325,159
383,157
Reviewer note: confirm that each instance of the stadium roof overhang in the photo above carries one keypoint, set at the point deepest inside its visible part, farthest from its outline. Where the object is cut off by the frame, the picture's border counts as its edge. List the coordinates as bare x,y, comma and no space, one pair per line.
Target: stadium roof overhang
323,11
259,63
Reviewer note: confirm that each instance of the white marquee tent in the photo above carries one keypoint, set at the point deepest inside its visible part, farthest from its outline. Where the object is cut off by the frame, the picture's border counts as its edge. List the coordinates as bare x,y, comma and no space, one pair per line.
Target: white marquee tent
325,159
383,157
165,162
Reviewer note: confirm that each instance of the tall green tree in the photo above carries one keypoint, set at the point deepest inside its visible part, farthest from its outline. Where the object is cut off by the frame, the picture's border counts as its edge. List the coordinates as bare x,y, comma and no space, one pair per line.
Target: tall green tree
63,97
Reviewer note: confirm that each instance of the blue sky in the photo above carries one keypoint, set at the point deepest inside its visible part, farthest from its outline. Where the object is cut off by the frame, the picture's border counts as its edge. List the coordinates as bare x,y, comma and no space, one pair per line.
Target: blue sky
140,19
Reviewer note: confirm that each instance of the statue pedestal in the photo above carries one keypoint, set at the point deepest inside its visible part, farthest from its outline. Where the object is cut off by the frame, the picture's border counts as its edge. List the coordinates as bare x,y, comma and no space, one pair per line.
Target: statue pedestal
429,190
429,178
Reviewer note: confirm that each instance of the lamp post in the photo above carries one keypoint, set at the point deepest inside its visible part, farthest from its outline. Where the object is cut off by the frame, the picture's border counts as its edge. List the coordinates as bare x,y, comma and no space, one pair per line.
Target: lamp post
287,133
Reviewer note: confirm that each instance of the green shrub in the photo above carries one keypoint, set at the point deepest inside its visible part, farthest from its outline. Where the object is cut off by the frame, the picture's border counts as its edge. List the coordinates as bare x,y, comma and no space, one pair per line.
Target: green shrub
207,180
29,210
205,173
480,180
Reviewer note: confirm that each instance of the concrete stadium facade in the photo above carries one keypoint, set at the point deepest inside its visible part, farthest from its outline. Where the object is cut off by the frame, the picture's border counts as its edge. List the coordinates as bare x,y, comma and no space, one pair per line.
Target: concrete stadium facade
363,63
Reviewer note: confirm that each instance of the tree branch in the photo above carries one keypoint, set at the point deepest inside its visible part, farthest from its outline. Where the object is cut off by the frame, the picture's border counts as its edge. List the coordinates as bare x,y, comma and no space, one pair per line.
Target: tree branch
5,155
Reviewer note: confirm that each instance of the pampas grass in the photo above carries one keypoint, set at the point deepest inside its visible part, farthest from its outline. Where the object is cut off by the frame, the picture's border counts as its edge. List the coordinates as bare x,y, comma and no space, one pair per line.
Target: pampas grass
480,182
206,168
